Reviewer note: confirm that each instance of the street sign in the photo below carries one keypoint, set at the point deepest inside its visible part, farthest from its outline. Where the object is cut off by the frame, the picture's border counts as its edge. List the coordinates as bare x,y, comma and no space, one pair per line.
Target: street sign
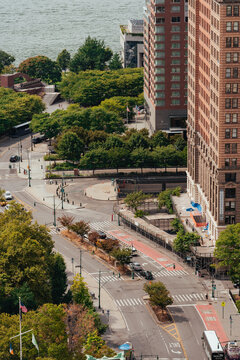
223,303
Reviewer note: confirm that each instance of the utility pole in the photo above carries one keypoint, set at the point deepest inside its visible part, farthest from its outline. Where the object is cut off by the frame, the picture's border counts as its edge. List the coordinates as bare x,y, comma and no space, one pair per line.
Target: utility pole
213,288
80,263
20,149
29,170
99,289
19,158
62,191
54,211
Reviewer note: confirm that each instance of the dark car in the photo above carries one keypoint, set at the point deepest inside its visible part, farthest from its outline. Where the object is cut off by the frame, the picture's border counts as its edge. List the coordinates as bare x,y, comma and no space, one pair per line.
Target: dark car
38,139
14,158
146,274
102,235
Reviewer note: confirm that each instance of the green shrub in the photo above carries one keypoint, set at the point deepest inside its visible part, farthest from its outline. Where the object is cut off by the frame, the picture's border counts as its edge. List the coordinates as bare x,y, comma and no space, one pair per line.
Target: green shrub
140,213
238,305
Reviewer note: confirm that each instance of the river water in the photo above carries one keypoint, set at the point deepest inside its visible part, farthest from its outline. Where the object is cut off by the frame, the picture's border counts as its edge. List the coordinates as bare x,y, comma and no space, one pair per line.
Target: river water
45,27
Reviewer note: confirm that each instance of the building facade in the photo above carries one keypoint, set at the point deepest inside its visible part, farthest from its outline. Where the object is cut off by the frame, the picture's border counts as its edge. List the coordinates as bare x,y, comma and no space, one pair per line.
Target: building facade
131,40
213,111
165,64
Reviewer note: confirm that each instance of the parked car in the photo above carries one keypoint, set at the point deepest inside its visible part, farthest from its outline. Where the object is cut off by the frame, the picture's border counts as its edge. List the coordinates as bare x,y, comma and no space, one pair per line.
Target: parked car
102,235
38,139
14,158
8,195
136,266
146,274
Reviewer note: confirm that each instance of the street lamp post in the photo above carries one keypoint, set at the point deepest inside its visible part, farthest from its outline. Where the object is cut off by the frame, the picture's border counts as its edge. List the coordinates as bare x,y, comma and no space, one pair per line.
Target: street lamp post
80,263
213,288
29,170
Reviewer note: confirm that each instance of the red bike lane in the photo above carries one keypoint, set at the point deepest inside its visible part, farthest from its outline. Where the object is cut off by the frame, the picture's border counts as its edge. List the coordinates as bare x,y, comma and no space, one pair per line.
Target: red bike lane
130,240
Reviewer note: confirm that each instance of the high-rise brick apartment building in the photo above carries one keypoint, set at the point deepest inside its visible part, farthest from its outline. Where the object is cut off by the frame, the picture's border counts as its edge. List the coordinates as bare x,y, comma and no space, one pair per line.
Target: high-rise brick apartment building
165,64
213,110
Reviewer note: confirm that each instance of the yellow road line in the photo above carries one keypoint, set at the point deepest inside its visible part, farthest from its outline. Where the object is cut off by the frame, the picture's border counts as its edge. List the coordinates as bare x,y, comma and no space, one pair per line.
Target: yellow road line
26,206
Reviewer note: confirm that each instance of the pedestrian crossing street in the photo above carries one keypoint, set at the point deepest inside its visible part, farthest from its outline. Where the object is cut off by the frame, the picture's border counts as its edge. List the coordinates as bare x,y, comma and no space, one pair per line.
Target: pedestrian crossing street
129,302
180,298
102,225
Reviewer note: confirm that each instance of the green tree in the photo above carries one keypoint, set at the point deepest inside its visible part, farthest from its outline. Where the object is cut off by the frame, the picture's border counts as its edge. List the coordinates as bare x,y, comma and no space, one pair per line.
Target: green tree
177,225
159,138
66,221
164,198
63,59
113,141
5,59
159,295
17,108
96,346
70,147
81,228
227,250
183,242
135,199
58,278
115,62
81,293
93,54
122,255
118,157
45,124
95,159
138,140
41,67
141,157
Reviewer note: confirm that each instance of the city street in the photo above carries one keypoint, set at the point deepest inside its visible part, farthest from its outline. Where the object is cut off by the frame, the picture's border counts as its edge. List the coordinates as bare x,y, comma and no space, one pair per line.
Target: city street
131,319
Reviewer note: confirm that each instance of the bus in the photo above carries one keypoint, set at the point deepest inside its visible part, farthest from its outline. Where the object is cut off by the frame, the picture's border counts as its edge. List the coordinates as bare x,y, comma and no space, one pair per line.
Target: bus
212,346
20,130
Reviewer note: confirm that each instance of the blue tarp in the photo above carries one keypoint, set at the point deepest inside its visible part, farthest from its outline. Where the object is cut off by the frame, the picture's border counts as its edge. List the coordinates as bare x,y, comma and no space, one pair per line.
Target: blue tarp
125,346
196,205
190,209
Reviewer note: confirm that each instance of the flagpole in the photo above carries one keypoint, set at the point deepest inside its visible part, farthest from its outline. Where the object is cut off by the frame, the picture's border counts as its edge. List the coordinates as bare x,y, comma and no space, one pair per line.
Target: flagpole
20,327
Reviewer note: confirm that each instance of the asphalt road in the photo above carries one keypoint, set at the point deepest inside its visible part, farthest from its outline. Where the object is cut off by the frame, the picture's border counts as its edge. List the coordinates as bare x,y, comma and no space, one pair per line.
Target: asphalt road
146,336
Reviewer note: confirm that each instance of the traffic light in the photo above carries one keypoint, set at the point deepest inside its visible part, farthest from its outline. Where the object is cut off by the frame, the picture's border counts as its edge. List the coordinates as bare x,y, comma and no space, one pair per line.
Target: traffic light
174,266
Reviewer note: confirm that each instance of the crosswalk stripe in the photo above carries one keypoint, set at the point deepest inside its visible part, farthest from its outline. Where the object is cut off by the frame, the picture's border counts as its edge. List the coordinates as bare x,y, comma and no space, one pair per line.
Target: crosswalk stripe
188,297
129,302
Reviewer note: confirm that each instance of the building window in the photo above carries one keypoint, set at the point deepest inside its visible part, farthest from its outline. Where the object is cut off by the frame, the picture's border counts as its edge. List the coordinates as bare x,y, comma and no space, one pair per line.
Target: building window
175,46
160,20
175,8
235,103
228,57
161,54
228,73
175,28
234,133
235,42
234,148
175,86
160,46
230,177
228,42
230,219
227,118
227,88
160,78
235,73
234,88
236,26
230,193
176,62
236,10
175,102
160,70
175,37
227,148
228,26
160,102
234,162
160,95
235,57
175,70
176,19
160,9
175,94
160,29
228,10
234,118
160,37
160,62
230,206
175,78
175,53
227,133
160,87
227,103
227,162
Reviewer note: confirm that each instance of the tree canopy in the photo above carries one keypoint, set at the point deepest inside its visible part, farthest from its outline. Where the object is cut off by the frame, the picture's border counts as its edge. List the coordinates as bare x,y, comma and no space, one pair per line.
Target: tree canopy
90,88
5,59
17,108
27,261
63,59
93,54
227,250
41,67
159,295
